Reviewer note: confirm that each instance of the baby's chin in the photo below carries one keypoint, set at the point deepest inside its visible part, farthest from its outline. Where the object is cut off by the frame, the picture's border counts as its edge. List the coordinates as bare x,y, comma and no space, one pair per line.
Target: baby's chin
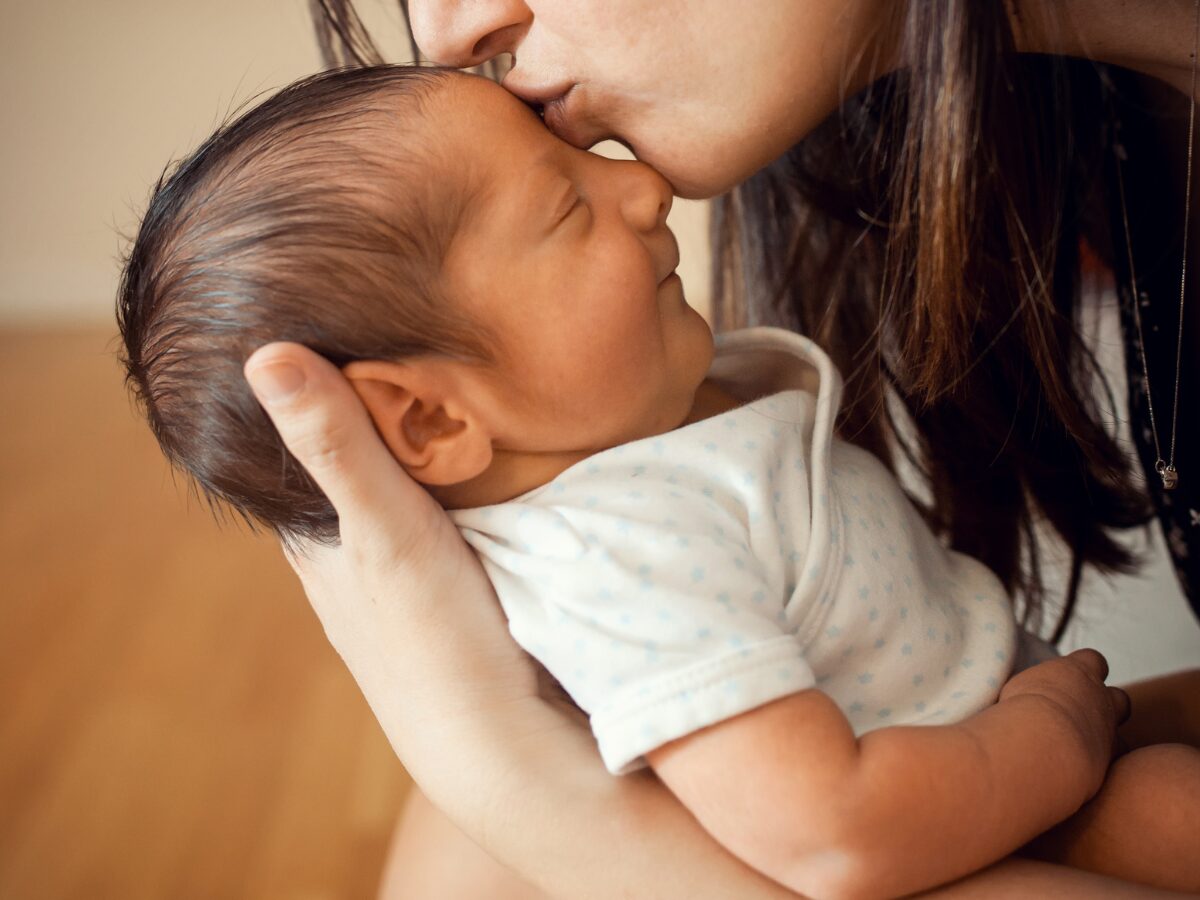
707,400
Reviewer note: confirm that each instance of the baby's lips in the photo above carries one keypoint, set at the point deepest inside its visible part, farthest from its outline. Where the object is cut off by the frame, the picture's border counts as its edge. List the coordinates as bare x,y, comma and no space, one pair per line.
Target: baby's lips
673,258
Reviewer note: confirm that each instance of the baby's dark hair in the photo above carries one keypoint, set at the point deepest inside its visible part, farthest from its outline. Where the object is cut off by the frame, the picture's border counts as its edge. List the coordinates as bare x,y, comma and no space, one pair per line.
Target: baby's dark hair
316,217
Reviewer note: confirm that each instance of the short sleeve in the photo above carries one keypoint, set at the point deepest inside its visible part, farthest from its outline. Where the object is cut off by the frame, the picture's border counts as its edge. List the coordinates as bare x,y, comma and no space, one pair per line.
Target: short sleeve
653,612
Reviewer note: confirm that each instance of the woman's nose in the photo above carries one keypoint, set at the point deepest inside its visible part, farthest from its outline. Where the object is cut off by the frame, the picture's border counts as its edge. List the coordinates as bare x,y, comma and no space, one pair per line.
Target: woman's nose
464,33
646,196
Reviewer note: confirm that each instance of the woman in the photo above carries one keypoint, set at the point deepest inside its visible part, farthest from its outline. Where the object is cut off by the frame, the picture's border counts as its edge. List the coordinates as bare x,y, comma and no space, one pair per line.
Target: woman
929,235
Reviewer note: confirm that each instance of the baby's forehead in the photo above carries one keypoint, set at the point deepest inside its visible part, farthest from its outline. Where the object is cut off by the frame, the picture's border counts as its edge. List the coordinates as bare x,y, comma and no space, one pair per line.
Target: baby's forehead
482,121
473,95
494,150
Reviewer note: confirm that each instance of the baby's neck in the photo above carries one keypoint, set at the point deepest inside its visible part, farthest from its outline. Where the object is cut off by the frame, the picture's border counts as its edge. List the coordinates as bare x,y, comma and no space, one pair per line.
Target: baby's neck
513,474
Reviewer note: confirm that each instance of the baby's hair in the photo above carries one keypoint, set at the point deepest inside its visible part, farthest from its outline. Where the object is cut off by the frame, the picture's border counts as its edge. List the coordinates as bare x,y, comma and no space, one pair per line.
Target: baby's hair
317,217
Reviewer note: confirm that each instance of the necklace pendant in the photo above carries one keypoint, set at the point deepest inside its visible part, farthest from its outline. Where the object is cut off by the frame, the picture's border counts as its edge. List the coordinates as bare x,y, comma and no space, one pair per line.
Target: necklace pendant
1168,474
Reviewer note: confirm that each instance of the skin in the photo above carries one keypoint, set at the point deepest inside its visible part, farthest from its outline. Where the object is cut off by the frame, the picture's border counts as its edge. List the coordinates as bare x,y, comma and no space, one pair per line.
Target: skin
567,262
463,684
832,815
635,74
409,581
708,92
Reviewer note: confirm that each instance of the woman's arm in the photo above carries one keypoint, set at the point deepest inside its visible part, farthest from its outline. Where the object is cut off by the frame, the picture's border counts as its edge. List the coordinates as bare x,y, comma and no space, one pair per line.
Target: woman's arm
408,608
1166,710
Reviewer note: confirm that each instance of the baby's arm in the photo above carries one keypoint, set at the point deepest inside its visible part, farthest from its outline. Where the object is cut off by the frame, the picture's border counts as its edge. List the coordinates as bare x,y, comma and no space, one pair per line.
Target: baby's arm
789,789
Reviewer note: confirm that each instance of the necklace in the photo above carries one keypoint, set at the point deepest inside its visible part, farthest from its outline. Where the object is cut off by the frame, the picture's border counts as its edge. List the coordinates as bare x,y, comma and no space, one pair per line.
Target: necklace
1165,467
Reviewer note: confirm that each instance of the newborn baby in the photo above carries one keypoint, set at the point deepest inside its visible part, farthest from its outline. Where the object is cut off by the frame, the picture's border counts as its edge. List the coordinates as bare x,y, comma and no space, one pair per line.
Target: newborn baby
738,598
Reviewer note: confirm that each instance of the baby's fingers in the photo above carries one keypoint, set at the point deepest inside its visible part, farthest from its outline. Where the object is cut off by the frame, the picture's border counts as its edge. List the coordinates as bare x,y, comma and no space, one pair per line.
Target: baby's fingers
1090,661
1122,705
327,429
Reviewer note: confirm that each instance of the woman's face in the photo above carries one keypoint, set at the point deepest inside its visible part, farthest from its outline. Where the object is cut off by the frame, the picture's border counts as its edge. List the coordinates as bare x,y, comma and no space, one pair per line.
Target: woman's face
705,91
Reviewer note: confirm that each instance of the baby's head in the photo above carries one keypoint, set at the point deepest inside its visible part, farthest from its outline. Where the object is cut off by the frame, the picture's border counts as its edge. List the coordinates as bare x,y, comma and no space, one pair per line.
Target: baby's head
487,288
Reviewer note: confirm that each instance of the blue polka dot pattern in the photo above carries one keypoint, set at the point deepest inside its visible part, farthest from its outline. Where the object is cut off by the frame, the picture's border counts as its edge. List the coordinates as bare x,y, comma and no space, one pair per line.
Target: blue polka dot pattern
674,582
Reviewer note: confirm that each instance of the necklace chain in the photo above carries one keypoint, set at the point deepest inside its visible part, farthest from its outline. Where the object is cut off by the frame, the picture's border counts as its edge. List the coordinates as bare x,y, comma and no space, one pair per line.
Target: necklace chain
1165,467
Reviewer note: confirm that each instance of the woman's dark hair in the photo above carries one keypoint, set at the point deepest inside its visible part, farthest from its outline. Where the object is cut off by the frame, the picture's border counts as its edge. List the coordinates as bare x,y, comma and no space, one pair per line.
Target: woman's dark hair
929,236
942,271
311,218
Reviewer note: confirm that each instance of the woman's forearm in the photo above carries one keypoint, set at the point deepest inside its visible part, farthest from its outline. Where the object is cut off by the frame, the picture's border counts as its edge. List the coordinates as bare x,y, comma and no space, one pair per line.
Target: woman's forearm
523,777
561,821
1166,710
411,613
1027,878
539,800
556,817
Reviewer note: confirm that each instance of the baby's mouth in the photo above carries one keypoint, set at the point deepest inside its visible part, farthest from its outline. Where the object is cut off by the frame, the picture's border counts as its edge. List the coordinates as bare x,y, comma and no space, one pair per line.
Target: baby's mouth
674,260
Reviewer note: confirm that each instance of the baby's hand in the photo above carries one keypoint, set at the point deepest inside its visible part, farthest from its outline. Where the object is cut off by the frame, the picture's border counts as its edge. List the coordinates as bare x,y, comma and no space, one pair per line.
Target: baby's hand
1074,686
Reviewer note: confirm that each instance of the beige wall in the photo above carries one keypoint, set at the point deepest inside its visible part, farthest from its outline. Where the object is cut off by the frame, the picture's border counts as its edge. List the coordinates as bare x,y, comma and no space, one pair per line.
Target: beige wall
97,97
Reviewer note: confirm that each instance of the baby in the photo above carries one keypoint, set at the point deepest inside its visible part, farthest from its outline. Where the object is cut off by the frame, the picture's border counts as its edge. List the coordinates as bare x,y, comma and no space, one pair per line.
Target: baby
739,599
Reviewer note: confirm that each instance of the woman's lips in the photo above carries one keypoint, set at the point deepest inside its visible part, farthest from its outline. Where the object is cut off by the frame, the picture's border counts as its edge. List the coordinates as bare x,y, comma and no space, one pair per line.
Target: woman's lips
563,108
536,94
566,116
557,114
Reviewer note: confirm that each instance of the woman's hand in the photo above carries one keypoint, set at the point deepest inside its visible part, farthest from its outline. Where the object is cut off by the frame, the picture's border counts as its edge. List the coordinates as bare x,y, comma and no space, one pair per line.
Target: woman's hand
408,607
402,599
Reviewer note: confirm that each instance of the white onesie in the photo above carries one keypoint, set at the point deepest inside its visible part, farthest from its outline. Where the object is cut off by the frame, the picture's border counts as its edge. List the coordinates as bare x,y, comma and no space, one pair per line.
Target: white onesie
675,581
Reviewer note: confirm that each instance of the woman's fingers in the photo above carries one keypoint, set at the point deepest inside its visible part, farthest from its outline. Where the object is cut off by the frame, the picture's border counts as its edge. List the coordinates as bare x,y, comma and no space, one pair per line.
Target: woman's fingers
305,556
326,427
402,599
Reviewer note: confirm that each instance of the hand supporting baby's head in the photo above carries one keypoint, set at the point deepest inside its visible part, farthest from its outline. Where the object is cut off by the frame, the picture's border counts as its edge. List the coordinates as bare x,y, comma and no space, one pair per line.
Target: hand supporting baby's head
312,218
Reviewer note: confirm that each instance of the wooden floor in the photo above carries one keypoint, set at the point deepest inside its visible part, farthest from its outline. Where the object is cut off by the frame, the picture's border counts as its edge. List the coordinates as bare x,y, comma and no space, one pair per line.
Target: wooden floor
172,722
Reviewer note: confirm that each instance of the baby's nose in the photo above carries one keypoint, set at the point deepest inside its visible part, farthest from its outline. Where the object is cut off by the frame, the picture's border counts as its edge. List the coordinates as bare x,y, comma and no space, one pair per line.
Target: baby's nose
648,197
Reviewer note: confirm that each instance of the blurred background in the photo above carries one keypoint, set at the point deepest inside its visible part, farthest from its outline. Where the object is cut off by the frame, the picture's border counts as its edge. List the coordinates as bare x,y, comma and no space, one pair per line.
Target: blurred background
172,722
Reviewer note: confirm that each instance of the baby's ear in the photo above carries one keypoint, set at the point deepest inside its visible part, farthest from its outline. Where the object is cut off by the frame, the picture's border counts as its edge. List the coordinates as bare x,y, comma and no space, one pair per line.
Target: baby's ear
425,424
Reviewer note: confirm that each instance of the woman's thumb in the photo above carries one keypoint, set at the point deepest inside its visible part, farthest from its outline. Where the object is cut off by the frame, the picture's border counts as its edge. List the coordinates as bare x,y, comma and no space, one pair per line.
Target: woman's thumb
325,426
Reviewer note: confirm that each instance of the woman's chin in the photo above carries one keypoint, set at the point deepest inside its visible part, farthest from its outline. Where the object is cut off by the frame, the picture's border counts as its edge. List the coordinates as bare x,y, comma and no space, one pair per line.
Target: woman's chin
699,172
690,185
